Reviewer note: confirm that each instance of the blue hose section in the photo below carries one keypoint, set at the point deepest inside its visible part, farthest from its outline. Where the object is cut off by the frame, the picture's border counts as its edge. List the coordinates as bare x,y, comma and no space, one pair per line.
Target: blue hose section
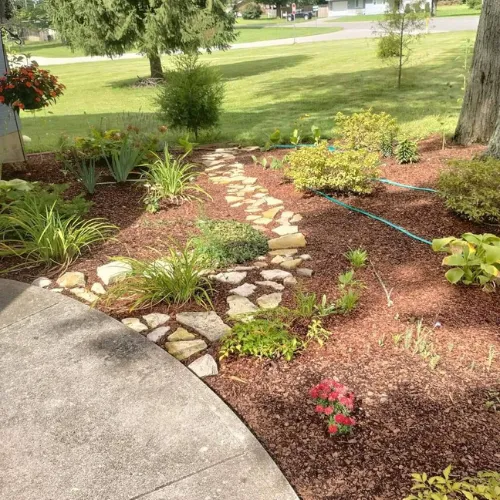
372,216
416,188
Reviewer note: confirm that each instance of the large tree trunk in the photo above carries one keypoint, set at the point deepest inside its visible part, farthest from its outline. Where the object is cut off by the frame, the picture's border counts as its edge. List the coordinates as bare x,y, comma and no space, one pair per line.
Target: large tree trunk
494,144
482,98
155,65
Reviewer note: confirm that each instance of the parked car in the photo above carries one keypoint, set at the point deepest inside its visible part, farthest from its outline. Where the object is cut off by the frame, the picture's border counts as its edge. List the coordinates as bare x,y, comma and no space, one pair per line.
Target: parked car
301,14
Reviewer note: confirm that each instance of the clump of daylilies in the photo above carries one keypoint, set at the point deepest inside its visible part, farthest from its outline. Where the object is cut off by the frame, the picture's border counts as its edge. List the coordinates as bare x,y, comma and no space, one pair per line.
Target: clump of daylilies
336,402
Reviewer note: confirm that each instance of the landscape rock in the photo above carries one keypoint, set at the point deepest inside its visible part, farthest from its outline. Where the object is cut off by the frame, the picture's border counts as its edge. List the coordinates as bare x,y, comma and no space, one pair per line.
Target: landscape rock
261,264
271,213
85,295
113,271
208,324
249,180
296,218
305,256
252,217
304,271
288,241
135,324
181,334
287,252
231,278
206,366
244,290
271,201
71,280
98,289
275,274
240,305
234,199
57,290
271,284
185,348
290,281
42,282
262,221
278,259
158,334
270,301
155,319
282,230
291,264
287,214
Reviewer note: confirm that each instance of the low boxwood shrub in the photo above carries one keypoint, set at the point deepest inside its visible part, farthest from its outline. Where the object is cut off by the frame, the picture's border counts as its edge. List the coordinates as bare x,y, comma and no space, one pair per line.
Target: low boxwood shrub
226,242
365,130
345,171
471,188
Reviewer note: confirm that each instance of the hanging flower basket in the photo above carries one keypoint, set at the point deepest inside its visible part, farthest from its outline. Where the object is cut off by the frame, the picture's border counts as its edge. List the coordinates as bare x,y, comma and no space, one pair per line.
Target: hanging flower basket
29,88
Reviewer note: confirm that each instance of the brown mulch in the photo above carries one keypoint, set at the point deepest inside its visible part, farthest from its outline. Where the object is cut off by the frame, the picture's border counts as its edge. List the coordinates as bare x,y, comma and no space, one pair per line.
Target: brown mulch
411,418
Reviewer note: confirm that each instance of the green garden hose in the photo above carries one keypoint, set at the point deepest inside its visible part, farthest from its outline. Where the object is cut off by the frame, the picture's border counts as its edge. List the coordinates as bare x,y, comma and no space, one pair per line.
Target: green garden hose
406,186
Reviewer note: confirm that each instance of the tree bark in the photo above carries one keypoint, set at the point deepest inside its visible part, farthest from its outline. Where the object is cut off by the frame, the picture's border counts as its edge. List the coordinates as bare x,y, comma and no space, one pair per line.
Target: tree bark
155,65
494,144
482,97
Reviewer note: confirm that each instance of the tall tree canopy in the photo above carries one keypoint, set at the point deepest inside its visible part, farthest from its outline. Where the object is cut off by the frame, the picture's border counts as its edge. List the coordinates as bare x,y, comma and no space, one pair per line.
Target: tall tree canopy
480,108
111,27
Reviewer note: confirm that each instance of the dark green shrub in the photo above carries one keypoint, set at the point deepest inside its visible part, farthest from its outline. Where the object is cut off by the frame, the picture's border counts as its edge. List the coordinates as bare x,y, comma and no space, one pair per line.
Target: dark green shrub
474,4
471,188
407,152
192,95
251,11
319,168
226,242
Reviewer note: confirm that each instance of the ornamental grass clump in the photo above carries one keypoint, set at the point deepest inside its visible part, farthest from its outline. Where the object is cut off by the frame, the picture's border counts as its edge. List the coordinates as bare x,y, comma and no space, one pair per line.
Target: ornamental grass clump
335,402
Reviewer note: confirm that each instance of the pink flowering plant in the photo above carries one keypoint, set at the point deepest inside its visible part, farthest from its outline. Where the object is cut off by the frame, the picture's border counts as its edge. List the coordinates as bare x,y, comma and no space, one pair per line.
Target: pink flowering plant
336,402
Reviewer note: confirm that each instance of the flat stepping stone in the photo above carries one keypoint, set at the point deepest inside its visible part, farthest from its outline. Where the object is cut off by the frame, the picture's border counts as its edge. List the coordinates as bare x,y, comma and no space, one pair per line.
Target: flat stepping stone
253,210
180,334
244,290
85,295
271,284
275,274
305,256
287,252
261,264
262,221
113,271
231,278
155,319
272,212
287,214
287,241
273,201
42,282
242,268
98,289
252,217
296,218
291,264
290,281
208,324
135,324
278,259
185,348
260,195
206,366
270,301
71,280
158,335
283,230
303,271
250,180
234,199
240,305
236,205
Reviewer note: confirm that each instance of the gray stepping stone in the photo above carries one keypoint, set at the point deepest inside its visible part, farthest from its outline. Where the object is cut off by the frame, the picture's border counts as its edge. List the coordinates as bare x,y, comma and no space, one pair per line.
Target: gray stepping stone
240,305
135,324
71,280
231,278
288,241
84,295
275,274
303,271
206,366
271,284
98,289
158,334
287,252
155,319
181,334
270,301
290,281
291,264
185,348
244,290
282,230
113,271
42,282
208,324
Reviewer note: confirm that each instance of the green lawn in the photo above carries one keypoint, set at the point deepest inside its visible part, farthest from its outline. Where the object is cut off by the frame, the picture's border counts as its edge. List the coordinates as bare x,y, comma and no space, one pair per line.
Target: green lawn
268,88
442,11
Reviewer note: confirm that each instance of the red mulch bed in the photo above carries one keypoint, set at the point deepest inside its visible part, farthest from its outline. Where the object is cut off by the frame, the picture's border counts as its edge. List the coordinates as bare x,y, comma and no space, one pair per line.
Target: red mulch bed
411,418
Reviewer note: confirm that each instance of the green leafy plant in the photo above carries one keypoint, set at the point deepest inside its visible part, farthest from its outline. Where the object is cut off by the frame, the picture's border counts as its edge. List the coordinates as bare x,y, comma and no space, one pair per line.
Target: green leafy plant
484,485
186,145
407,152
273,141
316,332
191,96
86,174
471,188
365,130
262,162
226,242
316,132
124,161
41,235
260,338
175,278
274,164
11,190
387,147
251,11
474,259
474,4
295,137
345,171
348,300
169,179
357,257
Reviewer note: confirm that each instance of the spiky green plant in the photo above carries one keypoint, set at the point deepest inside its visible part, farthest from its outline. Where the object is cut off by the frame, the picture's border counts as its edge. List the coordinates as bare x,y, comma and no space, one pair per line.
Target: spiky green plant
124,161
357,257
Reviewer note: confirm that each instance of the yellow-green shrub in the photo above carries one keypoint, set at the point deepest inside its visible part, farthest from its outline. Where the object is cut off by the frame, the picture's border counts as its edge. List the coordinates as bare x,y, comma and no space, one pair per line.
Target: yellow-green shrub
365,130
319,168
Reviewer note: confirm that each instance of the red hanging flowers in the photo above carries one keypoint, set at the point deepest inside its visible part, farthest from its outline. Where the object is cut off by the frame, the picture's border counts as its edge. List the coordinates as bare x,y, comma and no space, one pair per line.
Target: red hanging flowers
29,87
334,400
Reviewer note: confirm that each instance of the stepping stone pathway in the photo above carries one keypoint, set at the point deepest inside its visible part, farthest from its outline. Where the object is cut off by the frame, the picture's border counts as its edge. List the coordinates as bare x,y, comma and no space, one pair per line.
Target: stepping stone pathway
205,366
181,334
244,290
240,305
135,324
269,301
113,271
158,335
185,348
208,324
232,278
271,284
85,295
71,280
42,282
155,319
275,274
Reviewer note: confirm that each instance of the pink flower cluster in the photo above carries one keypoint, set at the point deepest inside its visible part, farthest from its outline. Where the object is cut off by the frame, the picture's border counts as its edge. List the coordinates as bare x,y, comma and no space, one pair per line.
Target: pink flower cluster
334,400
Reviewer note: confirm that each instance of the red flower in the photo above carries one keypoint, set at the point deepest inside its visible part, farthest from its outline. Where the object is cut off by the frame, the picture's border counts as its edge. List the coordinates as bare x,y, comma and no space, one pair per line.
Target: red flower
332,429
319,409
2,98
328,410
28,84
340,419
333,396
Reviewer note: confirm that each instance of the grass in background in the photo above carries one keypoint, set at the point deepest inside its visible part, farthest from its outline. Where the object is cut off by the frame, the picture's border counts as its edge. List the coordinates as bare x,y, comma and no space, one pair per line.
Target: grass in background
268,88
258,34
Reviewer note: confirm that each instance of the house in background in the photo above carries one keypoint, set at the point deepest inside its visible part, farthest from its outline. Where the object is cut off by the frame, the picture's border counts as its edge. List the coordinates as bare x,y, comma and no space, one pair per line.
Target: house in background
337,8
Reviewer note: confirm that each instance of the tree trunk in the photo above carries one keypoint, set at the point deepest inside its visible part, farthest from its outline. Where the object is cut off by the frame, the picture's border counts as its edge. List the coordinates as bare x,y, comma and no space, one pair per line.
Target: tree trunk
155,65
433,7
482,97
278,11
494,144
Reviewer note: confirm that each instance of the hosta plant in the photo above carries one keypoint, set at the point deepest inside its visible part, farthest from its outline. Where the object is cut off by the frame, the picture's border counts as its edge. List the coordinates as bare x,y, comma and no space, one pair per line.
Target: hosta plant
474,259
336,402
